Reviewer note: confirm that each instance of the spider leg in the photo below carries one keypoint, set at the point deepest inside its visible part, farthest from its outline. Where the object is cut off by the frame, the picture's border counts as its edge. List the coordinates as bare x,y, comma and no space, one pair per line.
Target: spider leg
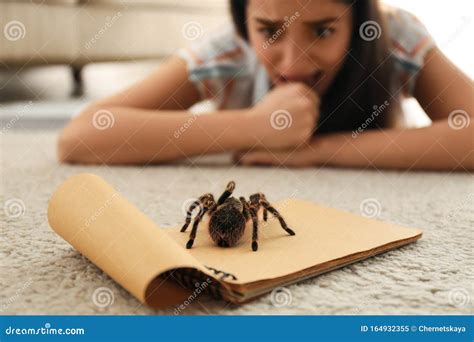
200,202
260,199
188,215
227,192
245,210
256,200
253,214
210,204
265,214
249,212
275,213
192,236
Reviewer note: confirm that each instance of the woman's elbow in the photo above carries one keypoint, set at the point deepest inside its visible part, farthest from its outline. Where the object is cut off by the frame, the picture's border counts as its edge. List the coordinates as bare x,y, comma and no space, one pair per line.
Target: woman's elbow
69,145
76,140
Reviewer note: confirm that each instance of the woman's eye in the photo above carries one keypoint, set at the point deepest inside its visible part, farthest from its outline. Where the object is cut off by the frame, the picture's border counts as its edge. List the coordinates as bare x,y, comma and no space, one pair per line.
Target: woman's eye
267,31
323,32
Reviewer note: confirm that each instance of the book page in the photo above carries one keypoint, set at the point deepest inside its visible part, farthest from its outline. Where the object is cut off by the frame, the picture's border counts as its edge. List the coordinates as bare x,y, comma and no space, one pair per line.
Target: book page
322,235
117,237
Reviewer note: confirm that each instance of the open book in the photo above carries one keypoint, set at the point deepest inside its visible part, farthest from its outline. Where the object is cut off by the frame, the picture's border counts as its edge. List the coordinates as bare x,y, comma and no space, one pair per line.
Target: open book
154,265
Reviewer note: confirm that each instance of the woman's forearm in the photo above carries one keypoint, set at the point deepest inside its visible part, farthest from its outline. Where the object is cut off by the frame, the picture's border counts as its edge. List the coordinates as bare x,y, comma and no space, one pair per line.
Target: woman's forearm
119,135
437,147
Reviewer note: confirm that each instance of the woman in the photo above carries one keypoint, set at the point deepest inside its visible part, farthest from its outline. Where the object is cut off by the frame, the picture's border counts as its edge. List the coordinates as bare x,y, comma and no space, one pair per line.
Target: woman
310,84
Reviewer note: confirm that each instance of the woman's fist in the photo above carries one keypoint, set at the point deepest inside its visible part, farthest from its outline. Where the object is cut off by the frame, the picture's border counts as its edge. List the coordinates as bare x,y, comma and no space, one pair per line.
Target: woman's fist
286,116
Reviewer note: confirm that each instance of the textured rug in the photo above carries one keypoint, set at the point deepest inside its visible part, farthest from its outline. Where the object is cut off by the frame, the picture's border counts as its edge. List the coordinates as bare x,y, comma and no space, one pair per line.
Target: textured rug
42,274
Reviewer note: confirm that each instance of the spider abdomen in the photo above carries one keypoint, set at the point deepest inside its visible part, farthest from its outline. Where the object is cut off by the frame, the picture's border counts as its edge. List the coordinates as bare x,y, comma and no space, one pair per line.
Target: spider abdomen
226,226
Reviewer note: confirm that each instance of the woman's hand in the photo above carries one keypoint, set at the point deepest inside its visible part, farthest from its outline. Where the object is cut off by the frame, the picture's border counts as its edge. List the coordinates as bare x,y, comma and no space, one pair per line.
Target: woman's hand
303,156
286,117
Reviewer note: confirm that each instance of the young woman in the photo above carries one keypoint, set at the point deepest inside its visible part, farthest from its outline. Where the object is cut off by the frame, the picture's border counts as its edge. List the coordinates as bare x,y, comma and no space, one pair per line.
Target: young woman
309,83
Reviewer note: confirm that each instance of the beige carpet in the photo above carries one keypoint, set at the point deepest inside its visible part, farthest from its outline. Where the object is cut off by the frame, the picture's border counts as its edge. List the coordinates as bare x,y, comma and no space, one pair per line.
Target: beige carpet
42,274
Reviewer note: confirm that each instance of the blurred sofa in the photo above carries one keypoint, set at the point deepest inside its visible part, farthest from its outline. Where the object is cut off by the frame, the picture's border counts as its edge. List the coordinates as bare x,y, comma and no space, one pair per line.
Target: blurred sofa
77,32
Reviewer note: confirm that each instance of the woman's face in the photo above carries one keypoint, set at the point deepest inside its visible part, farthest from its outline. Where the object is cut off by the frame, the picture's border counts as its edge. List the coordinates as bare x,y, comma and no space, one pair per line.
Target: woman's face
300,41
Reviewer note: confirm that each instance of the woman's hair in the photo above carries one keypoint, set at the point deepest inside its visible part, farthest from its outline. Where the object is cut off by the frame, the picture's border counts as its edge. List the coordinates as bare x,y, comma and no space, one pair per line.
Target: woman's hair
359,96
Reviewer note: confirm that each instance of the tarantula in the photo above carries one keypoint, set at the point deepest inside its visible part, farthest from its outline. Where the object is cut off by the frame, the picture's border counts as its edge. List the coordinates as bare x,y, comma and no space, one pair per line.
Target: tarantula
229,216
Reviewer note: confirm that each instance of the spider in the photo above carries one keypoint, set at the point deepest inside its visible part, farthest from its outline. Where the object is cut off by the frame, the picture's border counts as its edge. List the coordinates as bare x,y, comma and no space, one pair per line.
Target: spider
229,216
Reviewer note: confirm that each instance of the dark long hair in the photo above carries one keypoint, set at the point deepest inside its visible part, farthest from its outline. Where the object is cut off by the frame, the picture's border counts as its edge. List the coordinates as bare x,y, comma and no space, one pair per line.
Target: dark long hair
365,81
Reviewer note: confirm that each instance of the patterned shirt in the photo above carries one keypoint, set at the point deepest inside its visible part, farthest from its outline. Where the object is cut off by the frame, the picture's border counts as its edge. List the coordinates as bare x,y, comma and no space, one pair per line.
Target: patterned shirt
225,69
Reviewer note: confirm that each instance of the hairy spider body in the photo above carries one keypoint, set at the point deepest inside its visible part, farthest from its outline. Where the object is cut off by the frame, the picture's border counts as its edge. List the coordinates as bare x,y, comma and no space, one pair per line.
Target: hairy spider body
227,224
229,217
